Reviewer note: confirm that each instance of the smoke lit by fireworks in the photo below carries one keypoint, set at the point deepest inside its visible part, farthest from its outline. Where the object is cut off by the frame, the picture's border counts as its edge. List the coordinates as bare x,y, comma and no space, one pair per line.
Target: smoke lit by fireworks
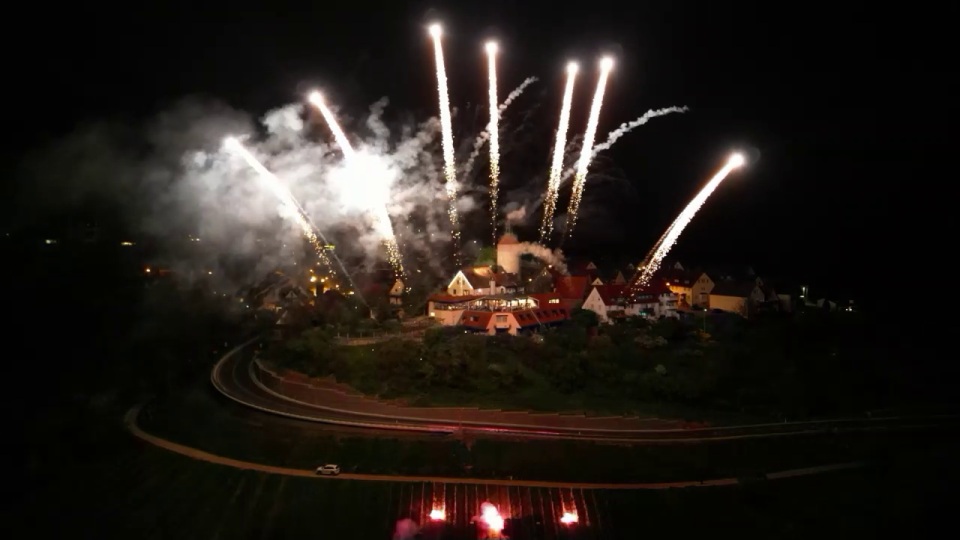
446,126
586,152
553,184
485,134
652,262
363,175
494,130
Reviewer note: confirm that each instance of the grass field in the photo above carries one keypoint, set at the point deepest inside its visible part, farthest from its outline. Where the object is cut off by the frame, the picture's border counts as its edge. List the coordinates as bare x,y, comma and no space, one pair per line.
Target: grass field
124,488
202,419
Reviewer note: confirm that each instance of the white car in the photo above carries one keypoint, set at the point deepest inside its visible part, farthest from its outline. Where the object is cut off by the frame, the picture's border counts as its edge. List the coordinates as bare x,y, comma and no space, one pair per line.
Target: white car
328,469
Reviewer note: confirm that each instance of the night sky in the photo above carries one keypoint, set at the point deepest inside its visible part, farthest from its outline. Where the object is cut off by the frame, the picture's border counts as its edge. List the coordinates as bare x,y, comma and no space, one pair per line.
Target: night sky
843,111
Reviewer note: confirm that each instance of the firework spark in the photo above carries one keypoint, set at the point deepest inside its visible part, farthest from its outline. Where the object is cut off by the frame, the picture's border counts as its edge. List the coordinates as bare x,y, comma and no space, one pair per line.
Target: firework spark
485,134
383,224
625,128
494,130
586,152
652,262
289,204
553,184
446,126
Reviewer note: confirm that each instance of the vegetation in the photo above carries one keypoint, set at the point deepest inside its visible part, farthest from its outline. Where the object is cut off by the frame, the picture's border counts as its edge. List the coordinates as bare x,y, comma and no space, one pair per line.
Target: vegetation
811,364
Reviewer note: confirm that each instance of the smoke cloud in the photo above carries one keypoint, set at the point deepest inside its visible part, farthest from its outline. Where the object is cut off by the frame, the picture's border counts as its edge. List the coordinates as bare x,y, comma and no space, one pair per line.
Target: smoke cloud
173,181
547,255
517,216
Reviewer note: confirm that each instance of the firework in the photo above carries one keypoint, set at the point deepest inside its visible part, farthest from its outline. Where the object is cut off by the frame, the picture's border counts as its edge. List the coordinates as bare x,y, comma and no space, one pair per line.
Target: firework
290,205
625,128
446,126
586,152
660,250
485,134
494,130
382,217
553,184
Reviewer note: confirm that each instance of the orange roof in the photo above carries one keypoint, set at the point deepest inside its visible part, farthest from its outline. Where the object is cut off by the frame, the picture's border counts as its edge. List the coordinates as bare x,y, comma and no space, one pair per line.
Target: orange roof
477,320
611,294
572,287
508,238
444,298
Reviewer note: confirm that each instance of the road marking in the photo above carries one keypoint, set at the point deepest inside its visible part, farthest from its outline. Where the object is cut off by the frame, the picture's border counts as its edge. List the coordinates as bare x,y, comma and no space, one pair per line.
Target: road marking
130,420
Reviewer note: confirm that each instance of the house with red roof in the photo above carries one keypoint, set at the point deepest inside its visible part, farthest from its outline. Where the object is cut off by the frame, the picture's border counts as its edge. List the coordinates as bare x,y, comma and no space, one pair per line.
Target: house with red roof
513,322
483,280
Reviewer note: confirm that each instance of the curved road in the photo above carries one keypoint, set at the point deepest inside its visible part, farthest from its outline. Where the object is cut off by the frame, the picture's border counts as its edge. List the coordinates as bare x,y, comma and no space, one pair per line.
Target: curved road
130,420
233,377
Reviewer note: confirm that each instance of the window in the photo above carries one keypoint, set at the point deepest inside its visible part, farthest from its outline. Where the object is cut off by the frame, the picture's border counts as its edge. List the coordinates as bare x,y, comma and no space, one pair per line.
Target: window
501,318
554,301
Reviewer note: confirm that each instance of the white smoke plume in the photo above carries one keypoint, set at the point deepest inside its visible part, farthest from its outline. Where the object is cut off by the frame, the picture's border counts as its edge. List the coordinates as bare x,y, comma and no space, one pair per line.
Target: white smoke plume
484,135
625,128
545,254
517,216
175,182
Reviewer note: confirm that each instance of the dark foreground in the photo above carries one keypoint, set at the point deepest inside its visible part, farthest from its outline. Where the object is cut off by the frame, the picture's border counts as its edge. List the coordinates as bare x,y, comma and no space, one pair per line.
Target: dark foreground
96,481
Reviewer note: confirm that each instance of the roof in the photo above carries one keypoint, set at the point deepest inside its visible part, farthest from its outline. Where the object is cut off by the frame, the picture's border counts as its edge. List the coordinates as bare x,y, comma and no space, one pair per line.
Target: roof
583,268
445,298
611,295
544,315
572,287
679,278
508,238
480,277
477,320
738,289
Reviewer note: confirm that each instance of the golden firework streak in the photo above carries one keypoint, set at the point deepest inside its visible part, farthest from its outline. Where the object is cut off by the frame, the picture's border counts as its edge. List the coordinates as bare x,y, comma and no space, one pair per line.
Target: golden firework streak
586,152
446,126
384,225
650,265
553,184
494,130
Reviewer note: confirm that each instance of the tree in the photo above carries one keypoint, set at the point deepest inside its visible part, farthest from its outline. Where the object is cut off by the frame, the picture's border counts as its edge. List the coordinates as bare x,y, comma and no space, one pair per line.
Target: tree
585,318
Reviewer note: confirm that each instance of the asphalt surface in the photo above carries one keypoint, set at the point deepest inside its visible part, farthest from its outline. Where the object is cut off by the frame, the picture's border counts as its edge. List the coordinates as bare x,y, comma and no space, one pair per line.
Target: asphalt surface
130,420
233,377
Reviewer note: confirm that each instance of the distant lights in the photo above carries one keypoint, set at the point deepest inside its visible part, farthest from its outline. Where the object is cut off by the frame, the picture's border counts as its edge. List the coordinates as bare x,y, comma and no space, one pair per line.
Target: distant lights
438,514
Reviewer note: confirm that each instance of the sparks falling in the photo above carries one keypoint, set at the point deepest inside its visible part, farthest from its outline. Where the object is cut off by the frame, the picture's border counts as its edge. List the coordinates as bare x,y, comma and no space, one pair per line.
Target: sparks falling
494,130
383,224
290,206
485,134
625,128
446,127
586,152
553,184
652,262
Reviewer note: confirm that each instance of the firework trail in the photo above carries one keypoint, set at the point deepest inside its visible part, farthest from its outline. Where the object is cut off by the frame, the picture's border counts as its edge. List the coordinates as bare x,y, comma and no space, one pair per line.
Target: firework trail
553,184
494,130
446,126
660,250
586,152
291,206
625,128
484,135
382,217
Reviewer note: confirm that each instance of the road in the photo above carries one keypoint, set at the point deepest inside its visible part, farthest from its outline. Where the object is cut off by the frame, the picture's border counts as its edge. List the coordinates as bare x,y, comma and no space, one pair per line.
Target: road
233,377
130,421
